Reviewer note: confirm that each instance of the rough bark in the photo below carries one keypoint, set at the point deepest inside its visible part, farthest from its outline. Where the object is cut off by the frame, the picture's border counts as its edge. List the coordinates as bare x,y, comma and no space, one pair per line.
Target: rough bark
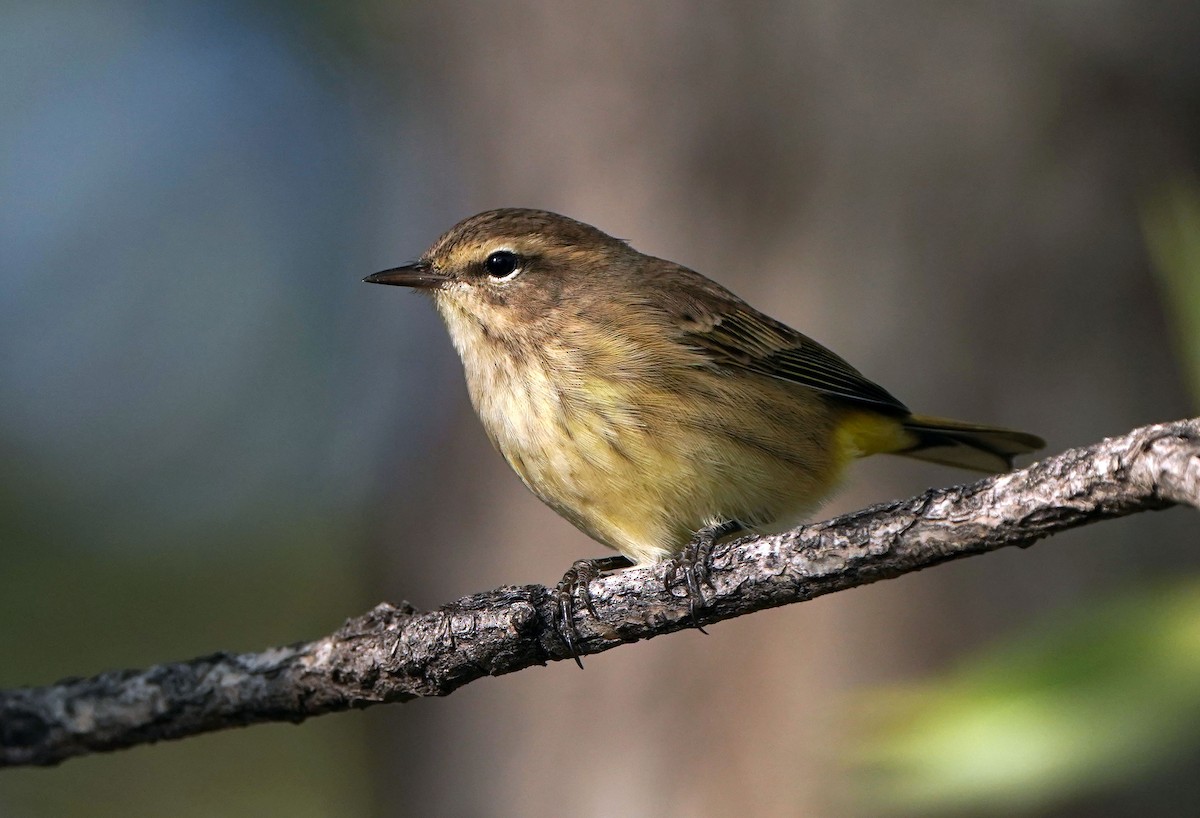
396,653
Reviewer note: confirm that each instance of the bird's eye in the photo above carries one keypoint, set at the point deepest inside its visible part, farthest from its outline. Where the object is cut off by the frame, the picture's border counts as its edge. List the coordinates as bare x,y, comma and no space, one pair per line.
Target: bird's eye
502,264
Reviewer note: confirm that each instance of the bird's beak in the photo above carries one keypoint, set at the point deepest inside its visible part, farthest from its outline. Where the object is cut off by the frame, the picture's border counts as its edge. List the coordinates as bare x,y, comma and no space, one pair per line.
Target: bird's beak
420,276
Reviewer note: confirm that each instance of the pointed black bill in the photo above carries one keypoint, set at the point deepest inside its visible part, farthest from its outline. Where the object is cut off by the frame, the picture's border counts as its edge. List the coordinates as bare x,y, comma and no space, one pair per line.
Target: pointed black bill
420,276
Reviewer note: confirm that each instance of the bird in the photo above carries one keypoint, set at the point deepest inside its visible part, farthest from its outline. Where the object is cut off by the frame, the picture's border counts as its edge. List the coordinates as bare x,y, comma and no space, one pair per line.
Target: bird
650,406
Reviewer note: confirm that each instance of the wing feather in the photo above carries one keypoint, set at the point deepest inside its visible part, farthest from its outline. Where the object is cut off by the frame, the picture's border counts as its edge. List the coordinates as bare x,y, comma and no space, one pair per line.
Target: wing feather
740,337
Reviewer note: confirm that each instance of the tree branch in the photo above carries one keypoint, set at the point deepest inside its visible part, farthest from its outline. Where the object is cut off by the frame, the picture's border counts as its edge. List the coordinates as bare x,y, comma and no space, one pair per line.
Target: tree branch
393,654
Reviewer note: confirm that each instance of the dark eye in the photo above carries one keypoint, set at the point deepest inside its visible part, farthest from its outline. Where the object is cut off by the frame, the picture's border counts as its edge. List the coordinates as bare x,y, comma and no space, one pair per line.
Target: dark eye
502,264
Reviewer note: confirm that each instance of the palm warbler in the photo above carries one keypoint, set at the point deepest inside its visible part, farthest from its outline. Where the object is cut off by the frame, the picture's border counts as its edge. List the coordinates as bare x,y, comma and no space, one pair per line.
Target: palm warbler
646,403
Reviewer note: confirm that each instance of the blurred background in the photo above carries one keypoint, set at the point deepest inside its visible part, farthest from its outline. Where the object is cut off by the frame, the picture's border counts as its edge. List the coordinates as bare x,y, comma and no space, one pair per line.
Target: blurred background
213,437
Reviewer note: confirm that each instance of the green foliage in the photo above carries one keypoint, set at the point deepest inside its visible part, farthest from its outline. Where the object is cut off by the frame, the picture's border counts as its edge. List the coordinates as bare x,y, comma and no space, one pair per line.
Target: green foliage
1172,226
1088,704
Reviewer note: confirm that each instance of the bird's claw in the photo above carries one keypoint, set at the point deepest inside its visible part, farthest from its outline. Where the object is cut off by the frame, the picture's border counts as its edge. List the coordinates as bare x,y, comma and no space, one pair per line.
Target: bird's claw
575,584
693,564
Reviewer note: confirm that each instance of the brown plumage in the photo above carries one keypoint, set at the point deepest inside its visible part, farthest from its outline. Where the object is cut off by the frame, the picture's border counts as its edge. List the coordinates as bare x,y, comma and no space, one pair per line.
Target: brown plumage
643,401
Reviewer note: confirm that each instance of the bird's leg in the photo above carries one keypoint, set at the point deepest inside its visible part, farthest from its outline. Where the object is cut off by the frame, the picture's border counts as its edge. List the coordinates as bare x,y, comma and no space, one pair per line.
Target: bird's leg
693,563
575,582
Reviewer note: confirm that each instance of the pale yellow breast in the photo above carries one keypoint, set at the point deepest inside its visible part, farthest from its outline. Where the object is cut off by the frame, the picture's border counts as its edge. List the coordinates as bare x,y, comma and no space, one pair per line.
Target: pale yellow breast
639,453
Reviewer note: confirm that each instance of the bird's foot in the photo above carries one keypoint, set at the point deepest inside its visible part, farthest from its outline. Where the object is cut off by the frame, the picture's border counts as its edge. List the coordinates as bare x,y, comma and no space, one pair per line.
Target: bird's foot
575,584
692,564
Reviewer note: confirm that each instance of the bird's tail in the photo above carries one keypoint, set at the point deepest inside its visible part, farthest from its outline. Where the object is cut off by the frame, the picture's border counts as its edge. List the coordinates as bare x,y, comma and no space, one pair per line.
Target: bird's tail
966,445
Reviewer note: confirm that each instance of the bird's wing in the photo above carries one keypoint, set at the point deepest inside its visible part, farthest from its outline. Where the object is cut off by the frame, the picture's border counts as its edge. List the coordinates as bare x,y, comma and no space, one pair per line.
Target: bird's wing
735,335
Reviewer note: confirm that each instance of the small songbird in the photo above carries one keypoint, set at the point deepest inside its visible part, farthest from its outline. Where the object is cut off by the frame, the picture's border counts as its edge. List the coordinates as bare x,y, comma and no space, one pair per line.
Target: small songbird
650,406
